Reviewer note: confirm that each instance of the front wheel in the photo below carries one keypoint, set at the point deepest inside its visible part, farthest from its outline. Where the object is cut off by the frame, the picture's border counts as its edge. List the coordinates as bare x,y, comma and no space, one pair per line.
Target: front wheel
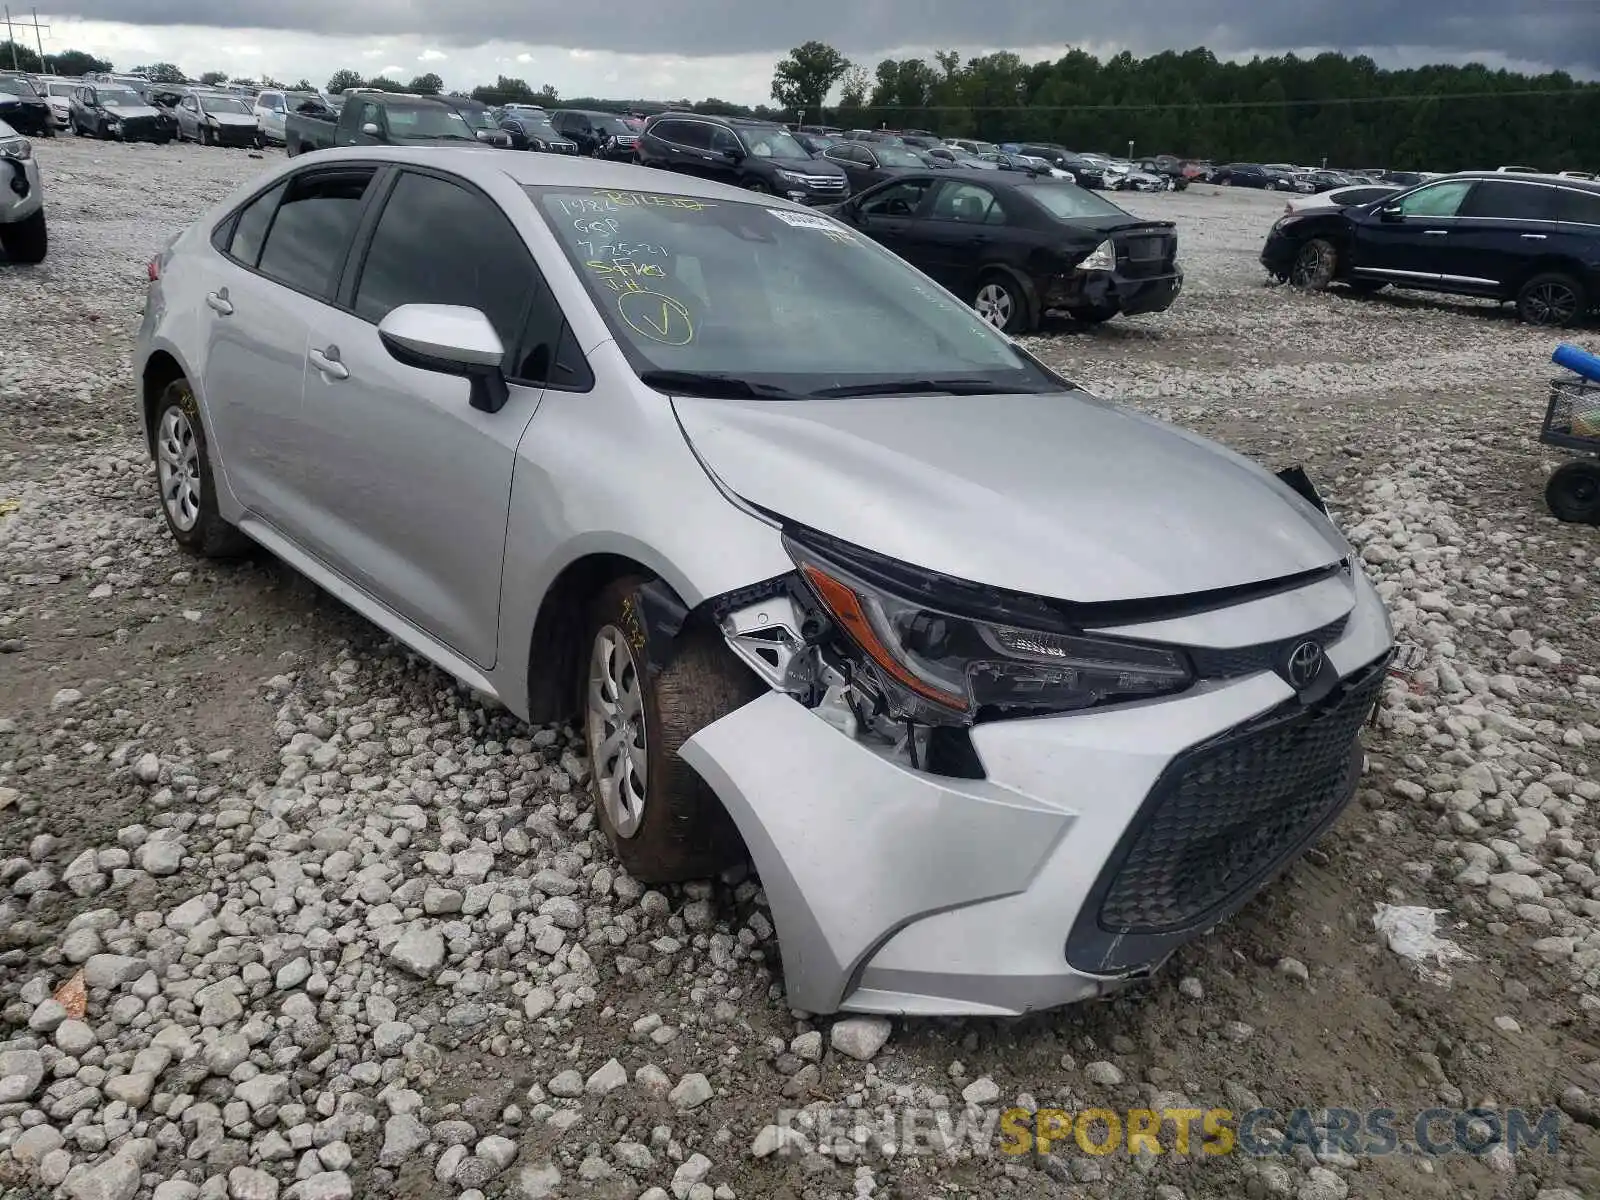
184,478
27,240
1552,299
662,820
1314,265
1573,493
1001,303
758,186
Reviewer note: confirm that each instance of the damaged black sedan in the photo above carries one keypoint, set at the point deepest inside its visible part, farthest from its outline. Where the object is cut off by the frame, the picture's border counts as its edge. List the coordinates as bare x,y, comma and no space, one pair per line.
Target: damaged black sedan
1015,246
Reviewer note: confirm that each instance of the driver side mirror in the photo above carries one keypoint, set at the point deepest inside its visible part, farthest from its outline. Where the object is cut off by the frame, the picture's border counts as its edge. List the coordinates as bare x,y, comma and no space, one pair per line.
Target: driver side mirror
450,340
1392,213
370,129
733,156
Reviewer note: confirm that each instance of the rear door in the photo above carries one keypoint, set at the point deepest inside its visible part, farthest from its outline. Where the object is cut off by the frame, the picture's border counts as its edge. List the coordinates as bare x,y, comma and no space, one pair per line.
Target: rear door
411,484
1502,229
1409,240
267,288
964,230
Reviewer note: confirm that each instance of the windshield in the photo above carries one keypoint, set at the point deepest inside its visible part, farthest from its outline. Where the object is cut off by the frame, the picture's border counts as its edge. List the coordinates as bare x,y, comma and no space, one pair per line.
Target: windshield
1068,200
611,125
62,89
736,289
478,118
117,98
772,143
221,104
17,86
894,156
426,122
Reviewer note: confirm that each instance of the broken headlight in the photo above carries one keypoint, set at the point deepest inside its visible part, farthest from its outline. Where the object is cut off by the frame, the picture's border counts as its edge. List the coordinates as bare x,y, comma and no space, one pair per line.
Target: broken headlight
938,661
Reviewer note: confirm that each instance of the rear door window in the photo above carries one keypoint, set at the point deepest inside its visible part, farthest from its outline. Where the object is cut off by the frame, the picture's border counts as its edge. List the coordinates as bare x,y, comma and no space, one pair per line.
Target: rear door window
1510,201
311,233
1578,208
250,230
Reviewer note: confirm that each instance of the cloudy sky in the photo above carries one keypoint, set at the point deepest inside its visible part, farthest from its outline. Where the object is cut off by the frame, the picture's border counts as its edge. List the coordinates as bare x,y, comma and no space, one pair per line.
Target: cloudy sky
697,48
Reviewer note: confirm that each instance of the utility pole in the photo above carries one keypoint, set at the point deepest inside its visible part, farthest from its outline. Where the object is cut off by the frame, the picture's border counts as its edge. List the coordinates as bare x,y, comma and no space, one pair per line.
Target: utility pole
12,23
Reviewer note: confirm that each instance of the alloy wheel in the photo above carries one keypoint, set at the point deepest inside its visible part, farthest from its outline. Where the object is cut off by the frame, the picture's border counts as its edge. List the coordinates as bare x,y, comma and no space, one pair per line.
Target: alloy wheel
178,469
616,728
1311,263
994,305
1551,303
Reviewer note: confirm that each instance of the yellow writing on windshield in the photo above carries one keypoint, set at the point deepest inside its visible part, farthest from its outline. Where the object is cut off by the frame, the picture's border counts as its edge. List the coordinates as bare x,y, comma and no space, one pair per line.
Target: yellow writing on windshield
657,317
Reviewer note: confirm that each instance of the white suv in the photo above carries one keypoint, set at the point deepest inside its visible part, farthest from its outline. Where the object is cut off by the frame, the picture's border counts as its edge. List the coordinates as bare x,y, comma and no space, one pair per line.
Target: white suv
22,229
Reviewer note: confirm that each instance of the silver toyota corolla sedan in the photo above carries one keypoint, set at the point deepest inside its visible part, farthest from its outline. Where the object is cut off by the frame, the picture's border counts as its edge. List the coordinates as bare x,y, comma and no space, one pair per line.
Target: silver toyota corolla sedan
1004,691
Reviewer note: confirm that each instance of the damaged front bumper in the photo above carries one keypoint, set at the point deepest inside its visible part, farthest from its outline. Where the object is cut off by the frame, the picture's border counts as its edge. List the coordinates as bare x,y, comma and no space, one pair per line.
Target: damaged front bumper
1093,844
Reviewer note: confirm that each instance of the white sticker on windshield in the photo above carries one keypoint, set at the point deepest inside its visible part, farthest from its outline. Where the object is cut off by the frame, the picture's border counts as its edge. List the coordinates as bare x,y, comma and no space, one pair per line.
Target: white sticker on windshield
830,229
803,220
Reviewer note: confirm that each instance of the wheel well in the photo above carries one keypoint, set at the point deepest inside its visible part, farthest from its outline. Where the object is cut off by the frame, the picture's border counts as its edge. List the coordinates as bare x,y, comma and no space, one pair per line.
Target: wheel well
1553,265
555,650
160,370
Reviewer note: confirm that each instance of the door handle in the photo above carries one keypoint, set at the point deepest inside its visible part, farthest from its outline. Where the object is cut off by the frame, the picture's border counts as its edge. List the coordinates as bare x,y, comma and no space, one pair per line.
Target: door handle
1535,237
1436,233
219,302
327,361
978,239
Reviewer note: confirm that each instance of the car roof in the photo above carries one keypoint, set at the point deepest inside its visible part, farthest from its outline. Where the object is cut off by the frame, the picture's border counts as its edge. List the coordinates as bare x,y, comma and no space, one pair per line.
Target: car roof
1585,185
554,170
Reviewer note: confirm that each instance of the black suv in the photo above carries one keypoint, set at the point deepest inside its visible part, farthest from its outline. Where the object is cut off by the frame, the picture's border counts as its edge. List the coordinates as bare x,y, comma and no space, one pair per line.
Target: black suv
758,155
598,134
1530,240
23,108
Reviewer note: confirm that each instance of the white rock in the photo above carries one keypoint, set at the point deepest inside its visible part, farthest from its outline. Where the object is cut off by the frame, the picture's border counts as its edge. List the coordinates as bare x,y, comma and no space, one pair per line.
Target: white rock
860,1037
606,1079
692,1091
419,950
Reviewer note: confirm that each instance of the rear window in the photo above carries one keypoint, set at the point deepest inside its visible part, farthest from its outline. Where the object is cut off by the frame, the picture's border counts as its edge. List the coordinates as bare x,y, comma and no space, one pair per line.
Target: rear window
1065,201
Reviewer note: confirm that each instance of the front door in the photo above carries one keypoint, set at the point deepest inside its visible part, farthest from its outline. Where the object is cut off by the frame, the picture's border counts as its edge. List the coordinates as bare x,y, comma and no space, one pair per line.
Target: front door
1409,240
889,216
412,485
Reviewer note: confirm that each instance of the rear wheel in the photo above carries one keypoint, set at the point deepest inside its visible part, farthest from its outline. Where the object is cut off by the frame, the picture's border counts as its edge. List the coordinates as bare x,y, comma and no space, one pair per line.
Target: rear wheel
1001,303
184,480
1573,493
1314,264
1552,299
26,241
663,821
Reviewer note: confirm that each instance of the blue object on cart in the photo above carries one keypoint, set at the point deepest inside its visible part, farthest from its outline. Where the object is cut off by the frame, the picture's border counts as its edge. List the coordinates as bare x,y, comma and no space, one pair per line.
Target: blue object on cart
1577,360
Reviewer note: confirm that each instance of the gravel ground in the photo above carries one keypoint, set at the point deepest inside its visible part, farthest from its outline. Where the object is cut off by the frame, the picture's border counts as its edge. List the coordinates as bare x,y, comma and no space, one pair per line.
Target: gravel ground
342,931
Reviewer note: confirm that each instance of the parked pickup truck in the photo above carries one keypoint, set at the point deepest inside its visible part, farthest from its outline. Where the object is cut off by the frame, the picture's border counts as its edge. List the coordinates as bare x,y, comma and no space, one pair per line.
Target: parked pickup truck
386,119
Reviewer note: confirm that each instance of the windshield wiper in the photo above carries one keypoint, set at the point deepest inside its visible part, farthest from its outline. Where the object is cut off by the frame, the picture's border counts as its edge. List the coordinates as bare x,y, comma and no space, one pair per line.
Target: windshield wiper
698,383
917,387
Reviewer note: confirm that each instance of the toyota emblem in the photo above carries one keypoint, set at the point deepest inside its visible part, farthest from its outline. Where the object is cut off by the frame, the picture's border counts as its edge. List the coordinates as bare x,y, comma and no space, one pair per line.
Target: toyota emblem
1305,662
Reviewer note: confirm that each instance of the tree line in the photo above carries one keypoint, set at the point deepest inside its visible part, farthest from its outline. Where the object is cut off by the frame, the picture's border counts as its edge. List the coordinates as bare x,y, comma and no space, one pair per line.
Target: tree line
1342,108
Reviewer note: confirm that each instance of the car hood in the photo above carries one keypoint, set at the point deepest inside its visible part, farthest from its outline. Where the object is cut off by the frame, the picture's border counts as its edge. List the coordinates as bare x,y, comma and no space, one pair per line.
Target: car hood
231,118
133,112
7,99
1058,495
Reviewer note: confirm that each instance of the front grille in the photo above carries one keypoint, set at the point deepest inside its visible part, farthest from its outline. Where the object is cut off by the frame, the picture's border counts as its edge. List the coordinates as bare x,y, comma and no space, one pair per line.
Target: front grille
139,127
1247,660
823,183
1221,819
